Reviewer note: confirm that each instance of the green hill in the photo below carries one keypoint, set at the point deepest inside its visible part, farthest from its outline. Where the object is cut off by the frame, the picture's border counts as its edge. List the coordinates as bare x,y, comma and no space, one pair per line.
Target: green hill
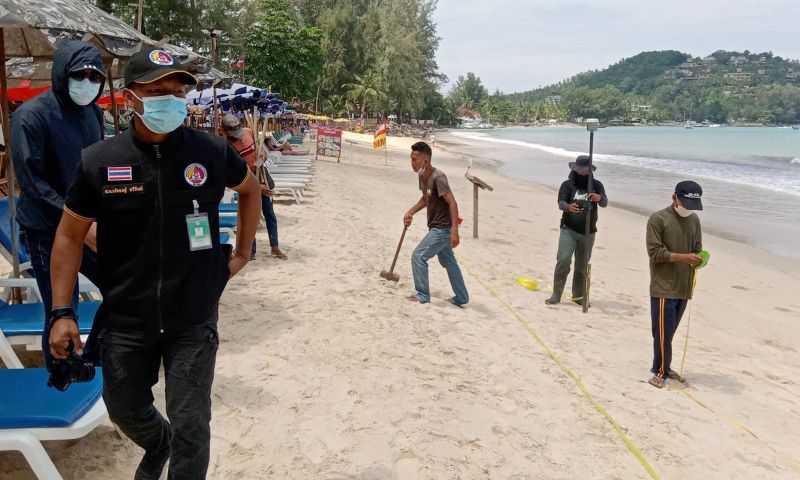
724,86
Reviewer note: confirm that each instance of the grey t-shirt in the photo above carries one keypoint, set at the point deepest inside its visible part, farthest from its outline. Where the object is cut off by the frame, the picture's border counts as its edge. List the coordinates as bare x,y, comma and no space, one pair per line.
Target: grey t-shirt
433,191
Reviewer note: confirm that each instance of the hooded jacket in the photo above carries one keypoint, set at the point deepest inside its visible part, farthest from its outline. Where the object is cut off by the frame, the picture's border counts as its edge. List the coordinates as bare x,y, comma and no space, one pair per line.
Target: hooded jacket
47,136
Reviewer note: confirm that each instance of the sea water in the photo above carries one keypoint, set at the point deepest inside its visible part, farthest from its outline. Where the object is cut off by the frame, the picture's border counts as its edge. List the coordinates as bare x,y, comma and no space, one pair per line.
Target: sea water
750,176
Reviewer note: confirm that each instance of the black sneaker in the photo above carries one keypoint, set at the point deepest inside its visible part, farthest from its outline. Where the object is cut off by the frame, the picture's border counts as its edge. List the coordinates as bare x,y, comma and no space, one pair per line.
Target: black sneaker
152,466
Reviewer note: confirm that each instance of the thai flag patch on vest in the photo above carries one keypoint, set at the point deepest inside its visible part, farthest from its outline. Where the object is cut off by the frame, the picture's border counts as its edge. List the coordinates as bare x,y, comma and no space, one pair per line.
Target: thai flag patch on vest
120,174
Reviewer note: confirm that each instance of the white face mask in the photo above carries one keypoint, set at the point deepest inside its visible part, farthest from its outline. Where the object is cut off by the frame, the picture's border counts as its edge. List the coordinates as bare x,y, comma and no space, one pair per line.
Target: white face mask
421,170
83,92
682,211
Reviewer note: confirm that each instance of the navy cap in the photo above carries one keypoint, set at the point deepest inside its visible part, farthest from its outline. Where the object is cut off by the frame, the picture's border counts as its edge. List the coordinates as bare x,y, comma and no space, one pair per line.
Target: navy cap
153,64
689,193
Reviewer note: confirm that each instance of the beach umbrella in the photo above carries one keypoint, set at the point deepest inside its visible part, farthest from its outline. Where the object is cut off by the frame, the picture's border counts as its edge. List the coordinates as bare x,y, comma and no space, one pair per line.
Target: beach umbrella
213,78
24,91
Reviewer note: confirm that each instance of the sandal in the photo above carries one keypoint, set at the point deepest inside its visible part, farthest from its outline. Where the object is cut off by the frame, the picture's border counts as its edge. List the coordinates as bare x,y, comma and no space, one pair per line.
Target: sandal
413,298
453,301
657,381
550,301
676,376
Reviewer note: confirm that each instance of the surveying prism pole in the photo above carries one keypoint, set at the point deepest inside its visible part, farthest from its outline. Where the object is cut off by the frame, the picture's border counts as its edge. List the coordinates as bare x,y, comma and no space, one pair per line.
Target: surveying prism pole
591,126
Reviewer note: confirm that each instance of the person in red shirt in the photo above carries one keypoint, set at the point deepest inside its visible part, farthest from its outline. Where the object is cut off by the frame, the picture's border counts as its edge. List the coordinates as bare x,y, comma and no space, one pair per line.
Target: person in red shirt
242,139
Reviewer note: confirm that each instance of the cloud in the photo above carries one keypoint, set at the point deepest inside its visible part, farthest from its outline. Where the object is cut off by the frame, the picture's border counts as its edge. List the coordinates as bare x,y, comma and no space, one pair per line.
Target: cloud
516,45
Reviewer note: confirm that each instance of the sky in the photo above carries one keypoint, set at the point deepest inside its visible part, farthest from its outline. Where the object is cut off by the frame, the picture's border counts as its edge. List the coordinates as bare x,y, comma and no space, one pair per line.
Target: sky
519,45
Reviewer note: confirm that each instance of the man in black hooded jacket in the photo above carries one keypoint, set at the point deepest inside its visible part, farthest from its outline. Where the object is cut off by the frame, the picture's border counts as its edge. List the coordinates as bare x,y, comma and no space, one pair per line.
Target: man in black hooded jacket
47,136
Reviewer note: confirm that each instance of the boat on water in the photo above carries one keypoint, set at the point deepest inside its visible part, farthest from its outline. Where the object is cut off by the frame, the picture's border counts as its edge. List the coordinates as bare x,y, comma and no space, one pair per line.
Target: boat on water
688,126
795,127
714,125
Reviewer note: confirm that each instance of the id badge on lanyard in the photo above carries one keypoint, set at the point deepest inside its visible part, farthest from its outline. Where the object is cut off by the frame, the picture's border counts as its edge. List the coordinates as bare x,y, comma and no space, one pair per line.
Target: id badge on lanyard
199,229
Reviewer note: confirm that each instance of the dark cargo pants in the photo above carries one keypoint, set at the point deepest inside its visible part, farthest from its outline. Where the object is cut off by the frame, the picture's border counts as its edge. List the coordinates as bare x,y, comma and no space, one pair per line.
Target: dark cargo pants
131,362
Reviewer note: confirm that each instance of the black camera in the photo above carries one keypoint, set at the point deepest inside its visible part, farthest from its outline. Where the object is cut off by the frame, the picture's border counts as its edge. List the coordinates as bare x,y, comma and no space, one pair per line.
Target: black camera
72,369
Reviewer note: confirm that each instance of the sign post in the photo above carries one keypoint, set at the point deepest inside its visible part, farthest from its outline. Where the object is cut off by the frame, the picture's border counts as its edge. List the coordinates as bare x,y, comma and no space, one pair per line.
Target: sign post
329,142
380,141
476,184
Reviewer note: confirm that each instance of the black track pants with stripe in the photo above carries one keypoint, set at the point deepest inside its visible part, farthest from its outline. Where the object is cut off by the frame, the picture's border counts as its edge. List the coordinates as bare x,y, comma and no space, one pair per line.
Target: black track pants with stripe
666,315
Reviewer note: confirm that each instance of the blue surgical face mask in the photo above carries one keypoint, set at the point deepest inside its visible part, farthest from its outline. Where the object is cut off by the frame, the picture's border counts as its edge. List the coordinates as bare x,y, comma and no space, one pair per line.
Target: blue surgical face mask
162,114
83,92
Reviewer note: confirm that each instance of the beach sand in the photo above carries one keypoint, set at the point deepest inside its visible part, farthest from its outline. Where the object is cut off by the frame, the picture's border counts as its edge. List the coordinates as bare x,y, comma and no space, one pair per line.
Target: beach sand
326,372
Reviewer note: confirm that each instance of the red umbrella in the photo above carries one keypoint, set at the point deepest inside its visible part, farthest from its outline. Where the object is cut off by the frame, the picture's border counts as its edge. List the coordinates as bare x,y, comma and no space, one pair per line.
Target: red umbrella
106,100
25,92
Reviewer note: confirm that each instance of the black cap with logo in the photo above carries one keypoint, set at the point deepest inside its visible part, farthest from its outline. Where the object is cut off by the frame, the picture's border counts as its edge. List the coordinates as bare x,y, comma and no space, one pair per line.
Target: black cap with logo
153,64
689,193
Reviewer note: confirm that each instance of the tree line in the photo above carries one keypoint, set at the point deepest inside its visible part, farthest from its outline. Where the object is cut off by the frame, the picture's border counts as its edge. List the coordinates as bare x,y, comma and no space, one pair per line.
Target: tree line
338,57
725,87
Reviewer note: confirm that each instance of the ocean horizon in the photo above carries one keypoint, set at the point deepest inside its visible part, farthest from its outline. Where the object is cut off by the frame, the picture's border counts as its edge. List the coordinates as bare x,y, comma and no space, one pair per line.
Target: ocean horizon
750,175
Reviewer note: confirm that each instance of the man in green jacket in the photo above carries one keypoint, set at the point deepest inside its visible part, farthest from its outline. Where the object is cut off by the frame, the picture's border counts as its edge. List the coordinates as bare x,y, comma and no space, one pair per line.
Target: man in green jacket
674,239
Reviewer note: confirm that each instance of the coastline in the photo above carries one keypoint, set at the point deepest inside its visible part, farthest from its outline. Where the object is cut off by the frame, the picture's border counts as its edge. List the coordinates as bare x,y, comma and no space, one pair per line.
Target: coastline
732,227
325,371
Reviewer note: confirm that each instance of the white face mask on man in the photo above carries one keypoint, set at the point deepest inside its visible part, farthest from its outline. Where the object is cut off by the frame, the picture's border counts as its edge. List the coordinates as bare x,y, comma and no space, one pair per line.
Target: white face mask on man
680,210
421,170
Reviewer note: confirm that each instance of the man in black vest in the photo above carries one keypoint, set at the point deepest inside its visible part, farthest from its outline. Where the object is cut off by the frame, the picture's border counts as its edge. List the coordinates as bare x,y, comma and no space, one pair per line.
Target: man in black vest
154,191
573,200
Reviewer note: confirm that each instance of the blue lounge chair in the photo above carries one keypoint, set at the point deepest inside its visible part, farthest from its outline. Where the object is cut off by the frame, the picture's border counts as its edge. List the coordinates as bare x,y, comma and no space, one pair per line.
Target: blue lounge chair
5,238
21,324
31,412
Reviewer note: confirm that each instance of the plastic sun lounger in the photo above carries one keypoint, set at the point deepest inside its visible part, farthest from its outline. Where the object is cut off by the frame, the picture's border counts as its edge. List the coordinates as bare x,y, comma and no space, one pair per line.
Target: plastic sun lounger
228,208
24,259
5,238
278,157
31,412
22,324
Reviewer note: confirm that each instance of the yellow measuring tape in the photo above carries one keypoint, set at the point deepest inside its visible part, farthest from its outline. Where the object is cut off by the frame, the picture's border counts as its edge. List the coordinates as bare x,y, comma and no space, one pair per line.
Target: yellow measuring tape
730,420
688,324
628,443
578,382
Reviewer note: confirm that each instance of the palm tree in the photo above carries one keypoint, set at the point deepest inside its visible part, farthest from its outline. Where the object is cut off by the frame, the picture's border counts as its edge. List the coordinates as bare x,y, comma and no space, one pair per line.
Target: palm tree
367,89
334,105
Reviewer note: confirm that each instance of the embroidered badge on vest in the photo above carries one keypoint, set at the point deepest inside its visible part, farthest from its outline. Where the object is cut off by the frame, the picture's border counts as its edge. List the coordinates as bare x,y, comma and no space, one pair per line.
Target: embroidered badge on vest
195,175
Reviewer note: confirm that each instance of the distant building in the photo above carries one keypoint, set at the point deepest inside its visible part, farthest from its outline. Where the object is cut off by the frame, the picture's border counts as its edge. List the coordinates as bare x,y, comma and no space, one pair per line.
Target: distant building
554,99
738,60
709,60
739,76
790,73
642,108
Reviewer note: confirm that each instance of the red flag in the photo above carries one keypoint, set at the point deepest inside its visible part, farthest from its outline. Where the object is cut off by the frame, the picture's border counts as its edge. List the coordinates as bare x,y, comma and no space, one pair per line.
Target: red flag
238,65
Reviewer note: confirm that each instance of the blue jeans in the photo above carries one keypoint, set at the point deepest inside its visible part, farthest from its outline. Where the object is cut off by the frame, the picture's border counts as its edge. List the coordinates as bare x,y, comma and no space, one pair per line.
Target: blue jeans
40,244
437,243
272,221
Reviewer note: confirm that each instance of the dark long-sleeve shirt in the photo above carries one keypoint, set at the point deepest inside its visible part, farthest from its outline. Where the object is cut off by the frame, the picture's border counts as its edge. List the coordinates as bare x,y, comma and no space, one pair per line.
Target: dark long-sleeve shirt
568,193
668,232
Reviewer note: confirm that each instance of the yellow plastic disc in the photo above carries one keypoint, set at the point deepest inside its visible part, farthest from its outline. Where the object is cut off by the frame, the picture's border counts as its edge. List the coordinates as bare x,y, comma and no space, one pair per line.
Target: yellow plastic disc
528,283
